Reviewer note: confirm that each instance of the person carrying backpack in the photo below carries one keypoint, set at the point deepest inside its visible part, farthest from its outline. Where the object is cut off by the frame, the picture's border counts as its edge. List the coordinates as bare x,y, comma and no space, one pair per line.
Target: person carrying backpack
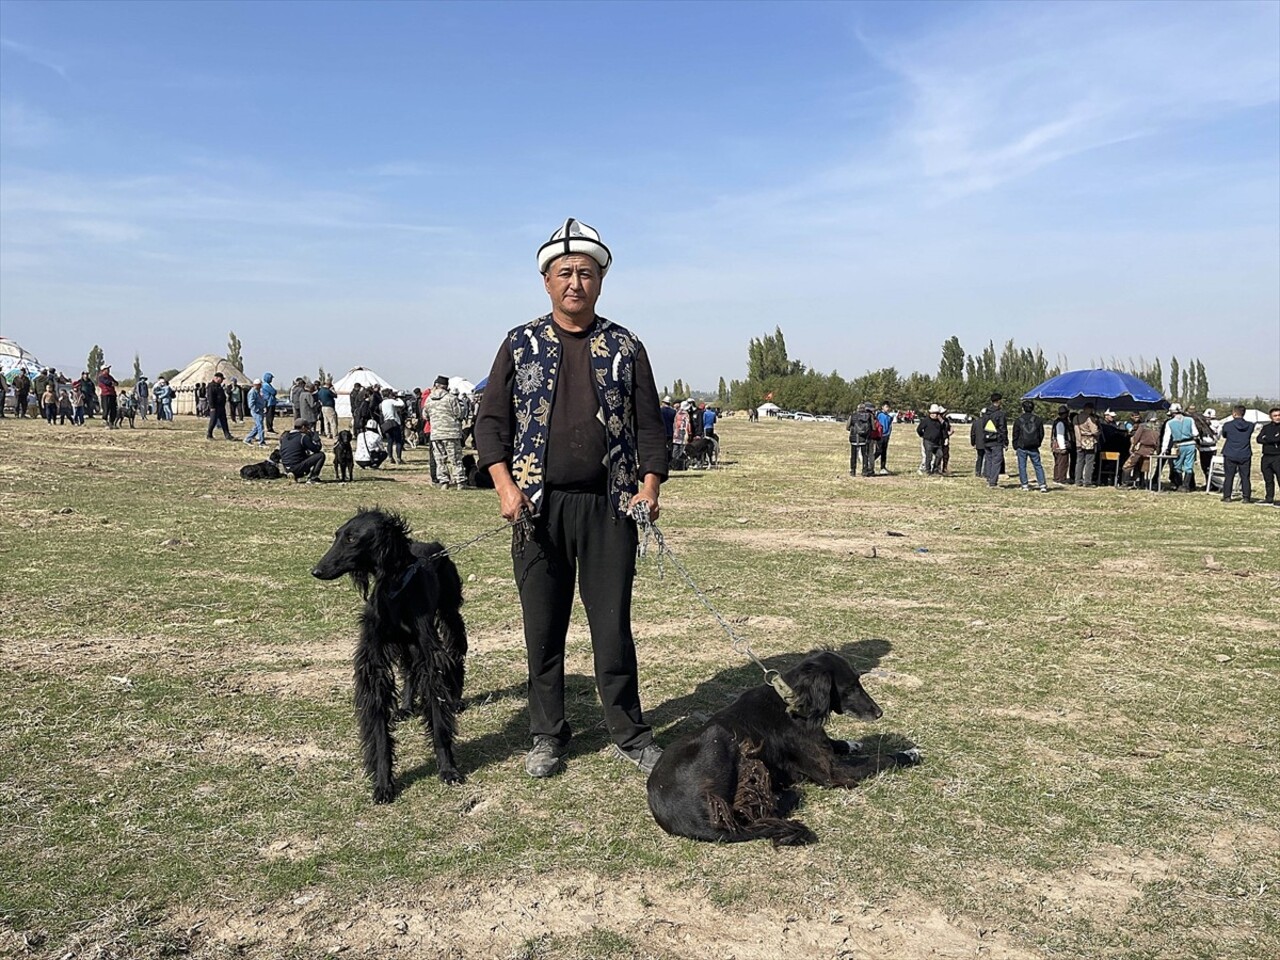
1028,436
862,427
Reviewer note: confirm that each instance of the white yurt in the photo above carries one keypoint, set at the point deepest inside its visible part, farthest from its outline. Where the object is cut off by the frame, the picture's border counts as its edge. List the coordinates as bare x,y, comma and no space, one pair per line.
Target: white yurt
342,387
768,409
201,370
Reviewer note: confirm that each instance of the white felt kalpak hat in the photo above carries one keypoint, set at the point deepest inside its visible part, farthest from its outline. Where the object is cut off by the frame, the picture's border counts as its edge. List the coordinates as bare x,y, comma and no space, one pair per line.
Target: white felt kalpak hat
575,237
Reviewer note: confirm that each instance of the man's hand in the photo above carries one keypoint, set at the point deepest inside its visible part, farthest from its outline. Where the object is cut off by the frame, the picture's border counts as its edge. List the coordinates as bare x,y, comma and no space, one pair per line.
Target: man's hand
511,499
649,493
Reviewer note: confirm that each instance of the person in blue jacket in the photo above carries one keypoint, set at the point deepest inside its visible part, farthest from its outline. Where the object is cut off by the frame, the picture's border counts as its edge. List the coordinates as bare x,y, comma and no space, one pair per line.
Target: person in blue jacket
1237,455
885,419
269,398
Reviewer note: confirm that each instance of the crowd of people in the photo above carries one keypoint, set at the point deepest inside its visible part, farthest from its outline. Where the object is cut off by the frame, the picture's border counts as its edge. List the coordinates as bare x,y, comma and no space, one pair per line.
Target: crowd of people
1087,446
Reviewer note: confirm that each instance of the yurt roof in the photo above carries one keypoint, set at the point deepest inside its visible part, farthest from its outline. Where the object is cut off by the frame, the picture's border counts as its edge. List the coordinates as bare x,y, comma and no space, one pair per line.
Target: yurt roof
202,369
361,375
13,356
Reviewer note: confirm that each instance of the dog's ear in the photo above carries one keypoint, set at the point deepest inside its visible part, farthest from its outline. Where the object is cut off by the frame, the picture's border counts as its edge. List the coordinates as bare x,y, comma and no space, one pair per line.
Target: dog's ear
815,693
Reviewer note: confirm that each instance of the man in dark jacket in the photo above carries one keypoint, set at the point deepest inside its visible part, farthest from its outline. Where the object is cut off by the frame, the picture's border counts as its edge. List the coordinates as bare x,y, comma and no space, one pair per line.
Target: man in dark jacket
21,391
994,439
861,441
300,452
1269,440
107,391
1028,436
215,395
1237,455
932,430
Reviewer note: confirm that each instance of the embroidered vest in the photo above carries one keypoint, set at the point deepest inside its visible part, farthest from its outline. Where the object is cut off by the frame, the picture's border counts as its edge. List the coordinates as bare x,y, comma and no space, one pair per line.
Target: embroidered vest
535,355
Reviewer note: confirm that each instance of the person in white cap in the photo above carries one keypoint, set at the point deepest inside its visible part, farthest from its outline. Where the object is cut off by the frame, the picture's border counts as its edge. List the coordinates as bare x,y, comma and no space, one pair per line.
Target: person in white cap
256,402
932,432
571,432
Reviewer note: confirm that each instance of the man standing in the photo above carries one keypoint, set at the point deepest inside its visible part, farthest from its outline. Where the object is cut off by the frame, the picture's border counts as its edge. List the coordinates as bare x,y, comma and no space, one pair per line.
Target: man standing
308,407
1237,455
1063,445
1088,437
142,393
1028,435
268,391
300,452
709,417
668,421
994,439
444,413
885,419
861,427
1143,445
235,400
215,395
107,391
328,401
1269,440
257,403
1180,439
571,432
932,431
21,391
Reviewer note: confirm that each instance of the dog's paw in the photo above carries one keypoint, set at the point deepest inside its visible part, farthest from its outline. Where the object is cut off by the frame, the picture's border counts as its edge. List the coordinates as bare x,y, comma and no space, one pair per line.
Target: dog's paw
909,758
384,793
855,746
452,778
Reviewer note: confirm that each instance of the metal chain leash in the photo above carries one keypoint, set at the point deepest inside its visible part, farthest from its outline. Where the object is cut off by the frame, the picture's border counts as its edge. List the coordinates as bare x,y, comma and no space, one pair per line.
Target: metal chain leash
522,525
650,532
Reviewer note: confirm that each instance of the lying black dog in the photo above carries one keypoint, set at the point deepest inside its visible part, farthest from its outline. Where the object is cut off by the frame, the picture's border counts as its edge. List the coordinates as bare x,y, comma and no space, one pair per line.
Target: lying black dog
344,458
268,469
729,781
412,619
478,479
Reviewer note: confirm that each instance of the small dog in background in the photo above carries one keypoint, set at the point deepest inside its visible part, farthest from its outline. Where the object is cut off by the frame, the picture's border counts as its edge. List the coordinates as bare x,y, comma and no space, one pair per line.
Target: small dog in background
344,458
730,780
268,469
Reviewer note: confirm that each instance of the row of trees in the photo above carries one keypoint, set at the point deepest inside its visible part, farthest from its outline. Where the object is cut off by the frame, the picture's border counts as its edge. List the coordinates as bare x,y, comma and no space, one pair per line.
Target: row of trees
963,382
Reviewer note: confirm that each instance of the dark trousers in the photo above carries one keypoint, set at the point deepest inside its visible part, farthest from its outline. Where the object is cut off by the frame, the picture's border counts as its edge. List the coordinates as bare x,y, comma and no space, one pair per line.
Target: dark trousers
50,412
21,398
978,463
882,452
217,418
992,461
233,409
1270,473
271,418
932,457
577,536
1062,466
863,449
109,413
1229,470
310,466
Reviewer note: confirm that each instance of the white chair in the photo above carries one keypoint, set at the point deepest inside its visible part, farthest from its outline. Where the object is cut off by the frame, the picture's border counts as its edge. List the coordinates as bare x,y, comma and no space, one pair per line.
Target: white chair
1217,472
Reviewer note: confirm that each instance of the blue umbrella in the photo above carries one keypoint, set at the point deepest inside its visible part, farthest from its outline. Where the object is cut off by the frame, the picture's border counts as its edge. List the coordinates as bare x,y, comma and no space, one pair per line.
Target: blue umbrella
479,388
1109,388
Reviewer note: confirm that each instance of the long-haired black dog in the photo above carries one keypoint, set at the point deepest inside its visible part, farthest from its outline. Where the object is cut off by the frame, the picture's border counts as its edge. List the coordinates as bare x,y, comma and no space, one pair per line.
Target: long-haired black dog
344,458
730,780
412,619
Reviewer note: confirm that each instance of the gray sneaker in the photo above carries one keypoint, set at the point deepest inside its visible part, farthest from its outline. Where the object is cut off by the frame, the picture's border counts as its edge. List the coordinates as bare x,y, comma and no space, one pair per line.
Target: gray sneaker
544,759
645,758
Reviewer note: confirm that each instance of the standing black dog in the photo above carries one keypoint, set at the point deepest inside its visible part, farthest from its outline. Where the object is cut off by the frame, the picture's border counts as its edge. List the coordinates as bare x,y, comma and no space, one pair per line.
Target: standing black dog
729,781
412,618
344,458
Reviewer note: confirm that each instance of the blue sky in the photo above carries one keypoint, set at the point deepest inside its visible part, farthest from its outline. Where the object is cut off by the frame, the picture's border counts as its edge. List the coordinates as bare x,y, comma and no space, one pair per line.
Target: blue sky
368,183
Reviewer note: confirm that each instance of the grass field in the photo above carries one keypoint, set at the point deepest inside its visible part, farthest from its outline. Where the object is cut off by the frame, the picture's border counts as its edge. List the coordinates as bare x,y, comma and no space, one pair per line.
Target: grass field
1092,676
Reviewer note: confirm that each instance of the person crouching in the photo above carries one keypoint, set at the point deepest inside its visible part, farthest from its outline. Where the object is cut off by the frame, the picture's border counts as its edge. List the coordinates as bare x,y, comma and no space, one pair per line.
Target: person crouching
300,452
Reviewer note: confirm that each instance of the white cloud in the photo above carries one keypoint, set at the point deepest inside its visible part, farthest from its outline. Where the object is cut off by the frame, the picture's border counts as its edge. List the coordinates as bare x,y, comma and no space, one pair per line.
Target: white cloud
25,127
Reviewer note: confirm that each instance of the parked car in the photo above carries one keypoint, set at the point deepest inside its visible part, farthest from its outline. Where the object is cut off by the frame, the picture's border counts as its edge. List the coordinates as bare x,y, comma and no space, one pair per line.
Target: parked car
803,415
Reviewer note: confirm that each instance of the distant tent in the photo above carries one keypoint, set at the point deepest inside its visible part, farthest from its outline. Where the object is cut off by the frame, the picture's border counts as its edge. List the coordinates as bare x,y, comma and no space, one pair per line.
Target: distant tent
13,358
201,370
768,409
361,375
